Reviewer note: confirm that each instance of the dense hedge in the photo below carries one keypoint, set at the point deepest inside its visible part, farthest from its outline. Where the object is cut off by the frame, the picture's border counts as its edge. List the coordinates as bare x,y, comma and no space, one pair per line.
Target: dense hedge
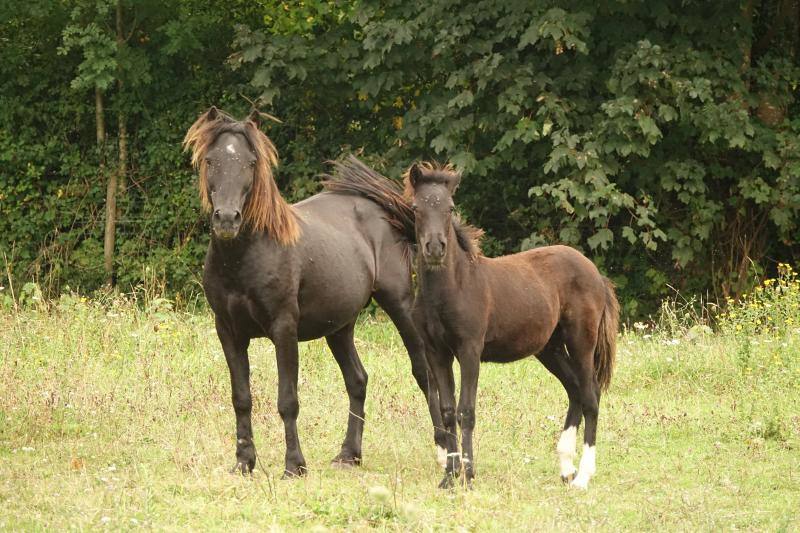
659,137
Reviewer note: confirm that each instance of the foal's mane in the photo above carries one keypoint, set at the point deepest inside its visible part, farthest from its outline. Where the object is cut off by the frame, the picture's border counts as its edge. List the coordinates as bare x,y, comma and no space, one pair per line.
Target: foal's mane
467,236
265,209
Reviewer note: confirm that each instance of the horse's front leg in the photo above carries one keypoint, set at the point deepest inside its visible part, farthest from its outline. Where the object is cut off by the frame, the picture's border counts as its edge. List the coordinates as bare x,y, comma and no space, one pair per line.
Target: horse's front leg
235,349
441,366
285,338
470,369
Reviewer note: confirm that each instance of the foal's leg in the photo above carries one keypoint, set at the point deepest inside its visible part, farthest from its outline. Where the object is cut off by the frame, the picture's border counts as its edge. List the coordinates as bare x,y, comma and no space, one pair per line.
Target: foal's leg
442,371
554,358
355,380
239,366
398,307
470,369
581,345
285,338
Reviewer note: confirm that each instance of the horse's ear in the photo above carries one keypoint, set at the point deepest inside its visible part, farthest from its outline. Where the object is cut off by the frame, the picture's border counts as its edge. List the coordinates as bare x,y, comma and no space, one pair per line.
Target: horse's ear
255,117
212,113
414,174
453,185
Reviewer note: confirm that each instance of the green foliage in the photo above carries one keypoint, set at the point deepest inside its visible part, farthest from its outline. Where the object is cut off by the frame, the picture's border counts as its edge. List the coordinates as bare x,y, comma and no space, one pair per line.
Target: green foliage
630,130
661,138
51,196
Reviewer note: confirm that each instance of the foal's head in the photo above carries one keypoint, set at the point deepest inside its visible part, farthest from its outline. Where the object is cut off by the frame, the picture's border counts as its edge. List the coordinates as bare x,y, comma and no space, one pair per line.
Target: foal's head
235,161
431,189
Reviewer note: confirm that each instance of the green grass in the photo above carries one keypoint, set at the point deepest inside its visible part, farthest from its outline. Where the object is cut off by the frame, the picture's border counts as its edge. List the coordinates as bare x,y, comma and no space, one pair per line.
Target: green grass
120,418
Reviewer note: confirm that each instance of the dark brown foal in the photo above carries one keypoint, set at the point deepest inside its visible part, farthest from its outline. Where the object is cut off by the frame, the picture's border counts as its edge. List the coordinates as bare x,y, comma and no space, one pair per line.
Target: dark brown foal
550,302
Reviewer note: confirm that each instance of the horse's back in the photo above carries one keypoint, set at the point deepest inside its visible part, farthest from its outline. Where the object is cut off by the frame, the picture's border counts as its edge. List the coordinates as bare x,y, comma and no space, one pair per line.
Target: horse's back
533,291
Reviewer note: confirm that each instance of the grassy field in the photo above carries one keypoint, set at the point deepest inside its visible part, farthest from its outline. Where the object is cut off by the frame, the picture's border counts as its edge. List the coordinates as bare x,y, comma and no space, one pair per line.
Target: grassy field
115,415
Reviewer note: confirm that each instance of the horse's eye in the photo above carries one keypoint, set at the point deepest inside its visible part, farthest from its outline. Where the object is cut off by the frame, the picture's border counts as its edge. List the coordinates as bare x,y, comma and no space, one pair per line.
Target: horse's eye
414,207
252,164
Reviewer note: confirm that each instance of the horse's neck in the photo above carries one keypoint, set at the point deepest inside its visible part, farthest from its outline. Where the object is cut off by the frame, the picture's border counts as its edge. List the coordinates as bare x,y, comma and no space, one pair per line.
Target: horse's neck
234,250
445,284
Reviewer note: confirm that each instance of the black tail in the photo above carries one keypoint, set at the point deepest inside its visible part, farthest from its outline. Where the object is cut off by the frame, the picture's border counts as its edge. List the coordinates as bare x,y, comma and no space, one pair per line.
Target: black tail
351,176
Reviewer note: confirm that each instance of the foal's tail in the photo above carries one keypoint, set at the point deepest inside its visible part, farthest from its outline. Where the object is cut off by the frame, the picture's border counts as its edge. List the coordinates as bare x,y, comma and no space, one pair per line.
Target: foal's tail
351,176
606,351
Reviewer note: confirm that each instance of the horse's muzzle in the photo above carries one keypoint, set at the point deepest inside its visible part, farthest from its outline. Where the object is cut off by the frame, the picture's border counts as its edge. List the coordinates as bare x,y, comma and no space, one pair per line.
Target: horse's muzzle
433,251
226,233
226,223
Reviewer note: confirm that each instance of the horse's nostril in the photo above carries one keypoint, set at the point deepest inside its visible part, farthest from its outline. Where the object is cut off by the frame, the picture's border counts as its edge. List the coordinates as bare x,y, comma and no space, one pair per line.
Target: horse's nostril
237,217
216,214
428,247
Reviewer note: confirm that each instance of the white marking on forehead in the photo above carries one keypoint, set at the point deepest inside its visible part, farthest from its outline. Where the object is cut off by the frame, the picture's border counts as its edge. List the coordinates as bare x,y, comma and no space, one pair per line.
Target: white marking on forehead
432,199
230,149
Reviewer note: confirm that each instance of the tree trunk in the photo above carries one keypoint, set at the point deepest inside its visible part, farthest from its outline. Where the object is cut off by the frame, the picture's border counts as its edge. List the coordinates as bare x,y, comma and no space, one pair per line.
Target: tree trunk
111,190
122,171
111,227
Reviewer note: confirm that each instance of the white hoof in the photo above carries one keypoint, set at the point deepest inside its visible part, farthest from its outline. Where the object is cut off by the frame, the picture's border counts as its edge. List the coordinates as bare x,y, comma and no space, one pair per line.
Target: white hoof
586,469
441,456
580,482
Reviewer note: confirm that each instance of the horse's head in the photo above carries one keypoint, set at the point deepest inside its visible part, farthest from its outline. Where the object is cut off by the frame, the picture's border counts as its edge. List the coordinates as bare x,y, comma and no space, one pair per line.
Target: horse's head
235,161
431,190
230,171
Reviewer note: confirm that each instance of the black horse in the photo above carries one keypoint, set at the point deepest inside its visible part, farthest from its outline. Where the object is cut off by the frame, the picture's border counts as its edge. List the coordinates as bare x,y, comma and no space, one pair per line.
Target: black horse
299,272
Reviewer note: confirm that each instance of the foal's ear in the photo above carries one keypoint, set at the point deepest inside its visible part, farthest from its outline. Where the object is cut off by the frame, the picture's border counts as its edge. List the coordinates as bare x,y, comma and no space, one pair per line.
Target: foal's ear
255,117
414,174
212,113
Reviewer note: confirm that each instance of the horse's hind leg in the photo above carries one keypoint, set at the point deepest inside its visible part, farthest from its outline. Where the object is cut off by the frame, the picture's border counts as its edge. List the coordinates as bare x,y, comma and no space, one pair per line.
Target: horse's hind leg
581,343
398,307
554,358
355,380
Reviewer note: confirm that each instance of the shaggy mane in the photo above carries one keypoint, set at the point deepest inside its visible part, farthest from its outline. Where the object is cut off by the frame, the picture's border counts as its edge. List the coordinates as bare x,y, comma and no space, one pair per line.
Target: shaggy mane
265,209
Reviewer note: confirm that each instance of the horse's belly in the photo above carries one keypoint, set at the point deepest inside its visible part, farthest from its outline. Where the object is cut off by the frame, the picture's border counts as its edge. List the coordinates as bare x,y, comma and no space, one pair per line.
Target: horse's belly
332,304
316,323
514,345
503,352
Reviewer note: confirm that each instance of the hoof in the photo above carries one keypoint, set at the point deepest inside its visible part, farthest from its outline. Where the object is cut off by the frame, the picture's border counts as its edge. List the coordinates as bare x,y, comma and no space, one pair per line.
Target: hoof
568,479
581,483
345,463
294,472
448,482
242,468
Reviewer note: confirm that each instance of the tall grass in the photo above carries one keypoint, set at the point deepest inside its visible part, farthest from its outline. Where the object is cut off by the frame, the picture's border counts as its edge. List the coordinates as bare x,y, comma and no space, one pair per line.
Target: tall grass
115,413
